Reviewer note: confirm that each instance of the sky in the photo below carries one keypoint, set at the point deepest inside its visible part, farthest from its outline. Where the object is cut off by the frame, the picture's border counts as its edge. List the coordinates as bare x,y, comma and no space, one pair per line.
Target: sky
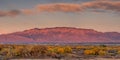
19,15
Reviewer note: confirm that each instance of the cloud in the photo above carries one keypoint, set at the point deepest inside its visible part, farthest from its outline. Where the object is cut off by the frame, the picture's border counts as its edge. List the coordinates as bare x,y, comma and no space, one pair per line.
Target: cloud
59,7
27,11
13,12
2,14
107,5
68,7
10,13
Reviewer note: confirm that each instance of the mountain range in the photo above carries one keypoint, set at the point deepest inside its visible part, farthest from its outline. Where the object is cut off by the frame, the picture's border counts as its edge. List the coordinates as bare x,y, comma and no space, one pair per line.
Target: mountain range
59,35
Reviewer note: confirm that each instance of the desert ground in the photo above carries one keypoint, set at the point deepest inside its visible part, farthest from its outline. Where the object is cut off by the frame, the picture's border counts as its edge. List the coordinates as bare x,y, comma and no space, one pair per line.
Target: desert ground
71,59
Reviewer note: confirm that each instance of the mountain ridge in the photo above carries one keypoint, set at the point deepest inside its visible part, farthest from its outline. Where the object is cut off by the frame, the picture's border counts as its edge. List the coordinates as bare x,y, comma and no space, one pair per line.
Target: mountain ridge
60,35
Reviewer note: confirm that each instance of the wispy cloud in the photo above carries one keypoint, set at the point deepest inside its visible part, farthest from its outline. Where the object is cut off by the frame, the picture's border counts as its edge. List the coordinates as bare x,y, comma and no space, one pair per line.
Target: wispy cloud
59,7
27,11
13,12
64,7
10,13
107,5
2,14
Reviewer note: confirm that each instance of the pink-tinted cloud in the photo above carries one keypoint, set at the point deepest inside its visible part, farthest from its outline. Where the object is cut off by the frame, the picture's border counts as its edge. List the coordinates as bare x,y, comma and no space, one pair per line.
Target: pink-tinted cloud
27,11
13,12
2,13
68,7
60,7
10,13
107,5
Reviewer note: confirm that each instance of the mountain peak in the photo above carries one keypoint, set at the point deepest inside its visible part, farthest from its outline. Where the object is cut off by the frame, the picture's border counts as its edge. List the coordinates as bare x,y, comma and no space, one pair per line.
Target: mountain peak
33,29
61,28
36,28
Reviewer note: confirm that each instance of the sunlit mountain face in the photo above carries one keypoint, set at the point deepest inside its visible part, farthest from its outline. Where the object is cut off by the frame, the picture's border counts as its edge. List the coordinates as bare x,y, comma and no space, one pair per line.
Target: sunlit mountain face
60,35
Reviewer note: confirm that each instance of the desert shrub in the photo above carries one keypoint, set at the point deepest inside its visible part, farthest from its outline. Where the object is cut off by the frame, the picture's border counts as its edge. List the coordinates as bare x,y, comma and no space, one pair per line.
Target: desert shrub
89,52
67,49
50,50
60,50
4,52
18,51
78,47
101,52
103,46
38,50
118,52
96,50
1,47
53,51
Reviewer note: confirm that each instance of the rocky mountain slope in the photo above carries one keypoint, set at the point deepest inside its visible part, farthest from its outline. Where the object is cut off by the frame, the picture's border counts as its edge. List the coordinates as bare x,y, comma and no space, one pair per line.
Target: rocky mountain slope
60,35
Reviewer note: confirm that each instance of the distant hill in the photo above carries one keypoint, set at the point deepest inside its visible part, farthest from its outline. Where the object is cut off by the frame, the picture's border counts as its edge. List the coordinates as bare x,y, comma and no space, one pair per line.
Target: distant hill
60,35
